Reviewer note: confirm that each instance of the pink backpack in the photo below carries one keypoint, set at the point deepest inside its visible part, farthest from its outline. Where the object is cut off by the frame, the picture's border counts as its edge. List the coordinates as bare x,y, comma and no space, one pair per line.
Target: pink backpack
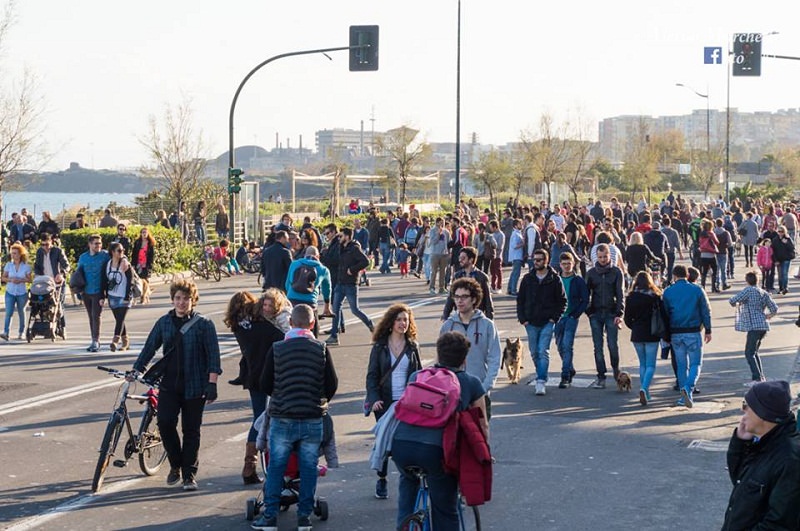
431,399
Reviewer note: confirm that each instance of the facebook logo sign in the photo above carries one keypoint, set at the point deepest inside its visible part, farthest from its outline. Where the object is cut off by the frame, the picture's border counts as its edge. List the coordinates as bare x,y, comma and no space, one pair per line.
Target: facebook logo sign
712,55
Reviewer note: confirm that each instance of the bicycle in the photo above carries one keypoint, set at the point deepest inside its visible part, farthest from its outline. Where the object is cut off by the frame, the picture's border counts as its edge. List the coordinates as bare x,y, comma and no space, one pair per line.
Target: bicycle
146,442
420,519
205,267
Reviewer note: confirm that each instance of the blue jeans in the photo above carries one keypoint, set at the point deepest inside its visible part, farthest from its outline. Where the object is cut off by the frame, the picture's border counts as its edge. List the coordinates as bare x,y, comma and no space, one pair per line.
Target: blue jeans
350,292
284,435
722,270
751,347
670,265
539,338
426,266
19,301
443,487
565,340
513,281
601,323
647,353
688,349
783,274
386,254
258,401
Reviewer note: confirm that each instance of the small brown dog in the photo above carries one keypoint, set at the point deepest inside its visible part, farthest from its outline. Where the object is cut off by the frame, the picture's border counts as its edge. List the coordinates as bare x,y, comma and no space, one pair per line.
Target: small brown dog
624,382
512,358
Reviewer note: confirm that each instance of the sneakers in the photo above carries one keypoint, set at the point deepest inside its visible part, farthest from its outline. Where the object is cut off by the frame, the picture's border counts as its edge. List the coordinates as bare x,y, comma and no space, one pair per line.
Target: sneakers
687,398
266,524
599,383
303,523
564,383
381,491
4,337
189,484
431,291
174,476
643,397
93,347
333,341
540,390
443,292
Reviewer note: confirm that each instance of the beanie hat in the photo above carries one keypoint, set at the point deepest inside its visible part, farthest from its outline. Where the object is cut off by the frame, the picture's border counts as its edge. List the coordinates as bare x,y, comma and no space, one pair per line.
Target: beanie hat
770,400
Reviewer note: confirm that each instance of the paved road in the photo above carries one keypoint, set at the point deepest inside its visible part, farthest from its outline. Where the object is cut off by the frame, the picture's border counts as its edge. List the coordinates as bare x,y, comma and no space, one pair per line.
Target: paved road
573,459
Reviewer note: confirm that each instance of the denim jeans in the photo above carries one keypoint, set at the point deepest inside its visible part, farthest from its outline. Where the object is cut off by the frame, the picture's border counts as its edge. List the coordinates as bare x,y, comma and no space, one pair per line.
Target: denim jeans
19,301
350,292
258,401
426,266
513,280
601,323
688,349
731,256
783,274
565,341
751,347
443,487
670,265
539,338
200,232
284,436
647,353
722,270
386,253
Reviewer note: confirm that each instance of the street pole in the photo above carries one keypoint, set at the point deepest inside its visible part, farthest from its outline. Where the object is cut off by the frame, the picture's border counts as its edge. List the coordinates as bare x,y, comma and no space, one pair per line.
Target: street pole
458,109
728,132
708,119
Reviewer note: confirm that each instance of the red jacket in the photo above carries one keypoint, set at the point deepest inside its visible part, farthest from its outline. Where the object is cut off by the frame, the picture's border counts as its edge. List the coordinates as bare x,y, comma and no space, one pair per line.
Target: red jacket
467,456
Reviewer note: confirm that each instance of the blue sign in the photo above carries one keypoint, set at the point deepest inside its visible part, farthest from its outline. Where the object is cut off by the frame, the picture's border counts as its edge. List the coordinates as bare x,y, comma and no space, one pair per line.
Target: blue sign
712,55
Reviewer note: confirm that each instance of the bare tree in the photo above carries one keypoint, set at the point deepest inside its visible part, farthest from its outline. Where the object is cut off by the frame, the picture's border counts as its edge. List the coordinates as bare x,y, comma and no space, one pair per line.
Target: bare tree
787,159
548,151
177,152
492,169
406,153
21,109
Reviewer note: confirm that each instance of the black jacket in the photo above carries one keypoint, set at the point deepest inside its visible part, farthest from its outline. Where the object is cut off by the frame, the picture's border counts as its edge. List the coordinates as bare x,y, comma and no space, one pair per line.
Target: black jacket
255,338
765,476
300,378
275,262
639,306
656,241
605,290
331,257
540,301
142,269
486,305
380,362
782,251
637,257
57,261
578,296
351,261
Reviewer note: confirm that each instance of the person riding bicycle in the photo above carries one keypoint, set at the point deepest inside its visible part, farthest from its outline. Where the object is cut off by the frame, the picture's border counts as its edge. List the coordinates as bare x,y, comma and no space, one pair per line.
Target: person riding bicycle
191,349
422,447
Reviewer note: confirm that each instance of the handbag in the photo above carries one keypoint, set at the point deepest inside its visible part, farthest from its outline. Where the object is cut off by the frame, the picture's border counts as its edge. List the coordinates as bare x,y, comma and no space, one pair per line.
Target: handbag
658,327
137,286
155,373
367,403
77,281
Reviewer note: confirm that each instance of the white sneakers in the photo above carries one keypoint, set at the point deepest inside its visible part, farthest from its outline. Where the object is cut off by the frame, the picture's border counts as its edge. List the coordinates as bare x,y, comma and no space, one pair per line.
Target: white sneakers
540,389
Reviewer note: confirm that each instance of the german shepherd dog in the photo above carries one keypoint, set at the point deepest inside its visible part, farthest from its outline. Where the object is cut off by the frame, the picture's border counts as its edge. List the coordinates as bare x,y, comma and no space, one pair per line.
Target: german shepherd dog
512,359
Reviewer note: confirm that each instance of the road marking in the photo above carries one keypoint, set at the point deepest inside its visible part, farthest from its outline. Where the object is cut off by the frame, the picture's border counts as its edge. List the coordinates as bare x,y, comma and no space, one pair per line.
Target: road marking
36,521
238,438
708,446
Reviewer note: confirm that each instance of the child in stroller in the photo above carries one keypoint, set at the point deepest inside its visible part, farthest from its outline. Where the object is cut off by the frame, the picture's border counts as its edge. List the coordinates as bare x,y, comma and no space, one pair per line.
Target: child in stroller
291,477
46,312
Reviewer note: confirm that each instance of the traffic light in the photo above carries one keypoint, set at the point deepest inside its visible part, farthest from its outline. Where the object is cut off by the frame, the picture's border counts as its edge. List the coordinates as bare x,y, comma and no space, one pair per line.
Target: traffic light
366,57
235,180
747,54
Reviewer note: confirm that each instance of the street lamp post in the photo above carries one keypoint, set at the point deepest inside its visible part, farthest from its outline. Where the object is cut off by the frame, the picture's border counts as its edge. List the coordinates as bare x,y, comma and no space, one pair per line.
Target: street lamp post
708,115
458,108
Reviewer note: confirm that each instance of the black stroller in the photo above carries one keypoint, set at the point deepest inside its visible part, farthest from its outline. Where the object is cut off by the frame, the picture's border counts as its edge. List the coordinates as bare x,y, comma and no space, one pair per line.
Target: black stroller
46,311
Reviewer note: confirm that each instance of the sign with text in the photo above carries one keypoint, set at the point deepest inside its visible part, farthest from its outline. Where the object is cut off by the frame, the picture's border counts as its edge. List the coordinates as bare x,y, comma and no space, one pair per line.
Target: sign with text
747,54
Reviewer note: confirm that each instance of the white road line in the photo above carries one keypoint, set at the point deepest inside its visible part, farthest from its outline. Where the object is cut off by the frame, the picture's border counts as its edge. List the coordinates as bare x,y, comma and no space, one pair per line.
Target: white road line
238,438
36,521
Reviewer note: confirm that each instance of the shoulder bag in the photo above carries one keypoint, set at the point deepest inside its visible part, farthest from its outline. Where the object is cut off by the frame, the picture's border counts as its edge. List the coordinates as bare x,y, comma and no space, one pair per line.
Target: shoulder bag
367,403
156,371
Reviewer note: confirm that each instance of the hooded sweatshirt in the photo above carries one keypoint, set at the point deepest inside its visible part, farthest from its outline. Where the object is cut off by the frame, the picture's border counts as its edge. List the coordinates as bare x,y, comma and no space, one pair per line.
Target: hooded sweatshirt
483,358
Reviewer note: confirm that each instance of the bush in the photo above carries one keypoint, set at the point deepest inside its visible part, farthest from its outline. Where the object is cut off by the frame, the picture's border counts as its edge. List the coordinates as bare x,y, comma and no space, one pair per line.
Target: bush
169,252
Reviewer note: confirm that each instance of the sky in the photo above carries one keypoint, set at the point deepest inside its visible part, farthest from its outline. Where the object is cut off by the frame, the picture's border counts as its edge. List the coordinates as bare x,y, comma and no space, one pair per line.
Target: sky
104,68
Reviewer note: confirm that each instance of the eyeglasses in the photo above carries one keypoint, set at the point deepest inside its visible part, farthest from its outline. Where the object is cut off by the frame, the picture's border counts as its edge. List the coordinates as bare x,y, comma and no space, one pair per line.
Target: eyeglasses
538,259
122,229
462,297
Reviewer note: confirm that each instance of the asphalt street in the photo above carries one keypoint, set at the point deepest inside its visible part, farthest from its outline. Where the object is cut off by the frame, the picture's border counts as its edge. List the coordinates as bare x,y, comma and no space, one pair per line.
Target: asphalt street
577,458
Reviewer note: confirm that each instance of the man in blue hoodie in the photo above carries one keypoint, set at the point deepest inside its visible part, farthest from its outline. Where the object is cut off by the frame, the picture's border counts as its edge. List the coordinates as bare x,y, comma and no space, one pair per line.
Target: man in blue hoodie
305,280
577,301
93,262
689,312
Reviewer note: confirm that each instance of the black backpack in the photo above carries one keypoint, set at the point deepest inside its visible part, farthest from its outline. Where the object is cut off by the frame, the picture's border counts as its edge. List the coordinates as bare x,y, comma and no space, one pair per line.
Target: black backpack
304,279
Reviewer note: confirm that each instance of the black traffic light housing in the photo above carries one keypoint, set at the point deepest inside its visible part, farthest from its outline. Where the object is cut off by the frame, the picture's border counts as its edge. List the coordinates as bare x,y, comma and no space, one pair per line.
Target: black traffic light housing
235,180
747,54
363,48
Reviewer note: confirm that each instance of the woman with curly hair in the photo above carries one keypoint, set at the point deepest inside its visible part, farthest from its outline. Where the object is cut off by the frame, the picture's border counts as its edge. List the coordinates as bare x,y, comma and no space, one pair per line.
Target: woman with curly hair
255,336
394,357
16,275
142,257
276,308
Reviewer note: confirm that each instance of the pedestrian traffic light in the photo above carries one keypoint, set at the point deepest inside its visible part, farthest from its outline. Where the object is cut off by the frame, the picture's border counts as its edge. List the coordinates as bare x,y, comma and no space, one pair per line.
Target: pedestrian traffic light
747,54
235,180
363,48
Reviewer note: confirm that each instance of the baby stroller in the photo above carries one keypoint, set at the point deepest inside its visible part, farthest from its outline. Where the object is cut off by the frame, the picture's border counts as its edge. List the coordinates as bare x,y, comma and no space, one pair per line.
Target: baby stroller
46,311
290,491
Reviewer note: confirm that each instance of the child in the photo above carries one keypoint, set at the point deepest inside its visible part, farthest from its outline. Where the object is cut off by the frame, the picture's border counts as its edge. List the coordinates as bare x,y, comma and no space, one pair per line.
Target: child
242,255
766,265
403,256
221,258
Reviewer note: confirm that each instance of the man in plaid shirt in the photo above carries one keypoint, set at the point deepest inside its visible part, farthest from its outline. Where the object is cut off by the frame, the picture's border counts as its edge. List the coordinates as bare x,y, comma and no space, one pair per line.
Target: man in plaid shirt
750,318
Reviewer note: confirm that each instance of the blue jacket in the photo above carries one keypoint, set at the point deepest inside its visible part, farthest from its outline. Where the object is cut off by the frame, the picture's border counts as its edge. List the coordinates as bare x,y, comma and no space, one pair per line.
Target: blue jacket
578,296
322,284
94,268
687,306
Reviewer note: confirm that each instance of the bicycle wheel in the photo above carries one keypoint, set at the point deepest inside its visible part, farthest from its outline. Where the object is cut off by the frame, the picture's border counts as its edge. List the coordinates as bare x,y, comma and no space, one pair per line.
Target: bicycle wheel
107,449
195,268
415,522
151,448
214,269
